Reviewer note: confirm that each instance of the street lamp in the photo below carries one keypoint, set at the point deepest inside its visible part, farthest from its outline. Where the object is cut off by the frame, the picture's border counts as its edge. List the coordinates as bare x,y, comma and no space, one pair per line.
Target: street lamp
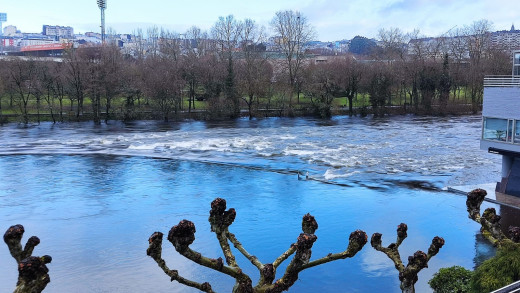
102,4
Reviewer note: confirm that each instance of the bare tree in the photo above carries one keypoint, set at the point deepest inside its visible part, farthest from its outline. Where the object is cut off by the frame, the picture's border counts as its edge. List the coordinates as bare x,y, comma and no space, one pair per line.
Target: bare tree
292,32
169,44
75,76
227,33
255,72
152,44
194,48
22,75
163,84
321,85
393,42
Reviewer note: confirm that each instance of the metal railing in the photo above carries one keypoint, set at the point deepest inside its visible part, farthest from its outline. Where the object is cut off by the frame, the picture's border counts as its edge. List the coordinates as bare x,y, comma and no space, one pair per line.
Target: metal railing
502,81
511,288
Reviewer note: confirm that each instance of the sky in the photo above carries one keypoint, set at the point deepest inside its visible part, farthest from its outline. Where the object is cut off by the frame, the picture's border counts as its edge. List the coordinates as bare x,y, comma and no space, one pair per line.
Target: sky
332,19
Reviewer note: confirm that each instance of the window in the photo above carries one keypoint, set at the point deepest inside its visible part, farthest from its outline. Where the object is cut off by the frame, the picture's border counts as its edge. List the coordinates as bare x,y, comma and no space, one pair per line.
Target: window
517,132
509,135
495,129
516,64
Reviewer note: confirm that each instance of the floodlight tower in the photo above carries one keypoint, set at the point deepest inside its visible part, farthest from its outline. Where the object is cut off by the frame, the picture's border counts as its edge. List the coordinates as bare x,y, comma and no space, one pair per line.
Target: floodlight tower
102,4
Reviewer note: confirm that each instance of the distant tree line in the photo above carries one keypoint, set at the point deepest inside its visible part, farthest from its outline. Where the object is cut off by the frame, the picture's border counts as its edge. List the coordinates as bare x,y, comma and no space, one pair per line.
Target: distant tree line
226,72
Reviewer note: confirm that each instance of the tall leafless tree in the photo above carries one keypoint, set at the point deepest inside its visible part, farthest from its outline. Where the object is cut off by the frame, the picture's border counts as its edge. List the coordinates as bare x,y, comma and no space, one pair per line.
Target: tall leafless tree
292,32
255,72
227,32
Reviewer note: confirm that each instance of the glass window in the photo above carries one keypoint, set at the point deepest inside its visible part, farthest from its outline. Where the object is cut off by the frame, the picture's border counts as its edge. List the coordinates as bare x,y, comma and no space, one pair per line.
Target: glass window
516,65
517,132
495,129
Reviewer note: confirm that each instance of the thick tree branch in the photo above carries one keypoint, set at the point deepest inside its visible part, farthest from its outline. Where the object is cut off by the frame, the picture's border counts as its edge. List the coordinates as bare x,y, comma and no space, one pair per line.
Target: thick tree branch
253,259
357,240
489,220
155,251
408,274
183,235
220,220
284,256
33,274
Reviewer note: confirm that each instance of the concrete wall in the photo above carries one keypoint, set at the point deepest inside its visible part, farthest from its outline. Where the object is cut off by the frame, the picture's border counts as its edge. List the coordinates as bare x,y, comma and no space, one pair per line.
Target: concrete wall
486,144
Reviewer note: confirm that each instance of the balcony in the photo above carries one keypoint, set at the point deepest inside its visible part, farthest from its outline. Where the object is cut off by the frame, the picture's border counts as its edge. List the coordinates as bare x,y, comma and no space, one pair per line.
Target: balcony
502,81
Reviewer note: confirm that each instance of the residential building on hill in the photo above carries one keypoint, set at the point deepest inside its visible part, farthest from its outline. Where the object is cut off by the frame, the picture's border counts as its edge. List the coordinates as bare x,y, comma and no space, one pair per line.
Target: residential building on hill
509,40
58,31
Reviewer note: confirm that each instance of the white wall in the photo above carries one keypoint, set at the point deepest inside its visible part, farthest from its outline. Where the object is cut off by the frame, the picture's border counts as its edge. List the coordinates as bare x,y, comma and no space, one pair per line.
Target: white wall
502,102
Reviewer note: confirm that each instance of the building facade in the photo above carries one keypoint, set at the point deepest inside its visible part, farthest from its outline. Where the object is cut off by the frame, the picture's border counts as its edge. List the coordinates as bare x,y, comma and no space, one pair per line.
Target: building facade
58,31
501,125
509,40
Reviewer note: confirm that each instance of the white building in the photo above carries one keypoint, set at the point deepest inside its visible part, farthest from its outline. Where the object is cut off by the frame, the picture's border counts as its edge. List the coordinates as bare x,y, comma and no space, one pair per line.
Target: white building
509,40
501,125
58,31
11,31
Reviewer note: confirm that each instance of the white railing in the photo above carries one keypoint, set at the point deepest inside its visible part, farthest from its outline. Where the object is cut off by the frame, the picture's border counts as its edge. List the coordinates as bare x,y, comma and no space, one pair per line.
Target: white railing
502,81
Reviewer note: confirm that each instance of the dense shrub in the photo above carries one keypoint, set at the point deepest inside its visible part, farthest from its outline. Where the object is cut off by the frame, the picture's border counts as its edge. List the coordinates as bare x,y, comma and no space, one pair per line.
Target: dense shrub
499,271
452,279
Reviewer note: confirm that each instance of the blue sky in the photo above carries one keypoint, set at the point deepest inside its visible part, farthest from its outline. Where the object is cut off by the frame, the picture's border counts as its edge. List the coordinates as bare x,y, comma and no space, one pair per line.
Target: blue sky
333,19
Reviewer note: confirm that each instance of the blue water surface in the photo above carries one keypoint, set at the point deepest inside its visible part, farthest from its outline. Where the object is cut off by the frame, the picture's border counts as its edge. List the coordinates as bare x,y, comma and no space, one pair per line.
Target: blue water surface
94,195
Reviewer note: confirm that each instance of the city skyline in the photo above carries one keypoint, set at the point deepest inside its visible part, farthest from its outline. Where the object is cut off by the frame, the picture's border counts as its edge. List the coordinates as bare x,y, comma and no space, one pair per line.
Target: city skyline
332,20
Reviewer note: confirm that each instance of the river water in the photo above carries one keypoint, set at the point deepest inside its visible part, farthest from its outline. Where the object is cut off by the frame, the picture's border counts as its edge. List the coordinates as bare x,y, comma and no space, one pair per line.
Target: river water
94,194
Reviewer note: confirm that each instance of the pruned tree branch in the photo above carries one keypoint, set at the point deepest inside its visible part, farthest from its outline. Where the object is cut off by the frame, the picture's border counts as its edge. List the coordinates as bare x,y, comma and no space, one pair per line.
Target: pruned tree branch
489,220
155,251
419,260
284,256
33,274
183,235
253,259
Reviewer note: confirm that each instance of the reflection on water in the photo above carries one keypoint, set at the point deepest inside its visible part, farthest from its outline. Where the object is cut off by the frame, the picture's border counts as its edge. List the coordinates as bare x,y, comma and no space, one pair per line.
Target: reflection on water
95,194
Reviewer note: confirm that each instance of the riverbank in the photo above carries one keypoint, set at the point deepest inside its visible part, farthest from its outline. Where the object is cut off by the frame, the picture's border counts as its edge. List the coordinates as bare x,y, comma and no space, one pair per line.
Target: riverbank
206,115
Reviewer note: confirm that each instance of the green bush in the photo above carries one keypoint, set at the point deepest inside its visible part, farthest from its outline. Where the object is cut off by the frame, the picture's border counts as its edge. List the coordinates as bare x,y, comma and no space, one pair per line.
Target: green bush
499,271
453,279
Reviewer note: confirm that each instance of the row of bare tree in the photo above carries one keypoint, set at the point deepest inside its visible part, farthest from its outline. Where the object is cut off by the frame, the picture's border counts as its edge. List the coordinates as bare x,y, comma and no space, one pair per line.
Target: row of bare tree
231,71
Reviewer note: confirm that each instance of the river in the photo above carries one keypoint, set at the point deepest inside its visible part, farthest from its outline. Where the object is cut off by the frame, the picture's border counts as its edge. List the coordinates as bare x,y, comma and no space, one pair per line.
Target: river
94,194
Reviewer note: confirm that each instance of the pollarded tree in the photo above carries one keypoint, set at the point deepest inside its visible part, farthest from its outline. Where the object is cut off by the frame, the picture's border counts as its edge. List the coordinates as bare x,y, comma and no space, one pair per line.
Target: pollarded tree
408,275
182,236
504,268
33,274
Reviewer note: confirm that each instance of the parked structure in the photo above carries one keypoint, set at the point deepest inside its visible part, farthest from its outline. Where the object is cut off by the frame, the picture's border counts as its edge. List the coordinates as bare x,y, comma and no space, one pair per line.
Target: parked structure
501,125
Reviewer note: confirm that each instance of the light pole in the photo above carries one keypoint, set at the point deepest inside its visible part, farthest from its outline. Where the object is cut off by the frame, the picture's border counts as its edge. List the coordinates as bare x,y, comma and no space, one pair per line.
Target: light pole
102,4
